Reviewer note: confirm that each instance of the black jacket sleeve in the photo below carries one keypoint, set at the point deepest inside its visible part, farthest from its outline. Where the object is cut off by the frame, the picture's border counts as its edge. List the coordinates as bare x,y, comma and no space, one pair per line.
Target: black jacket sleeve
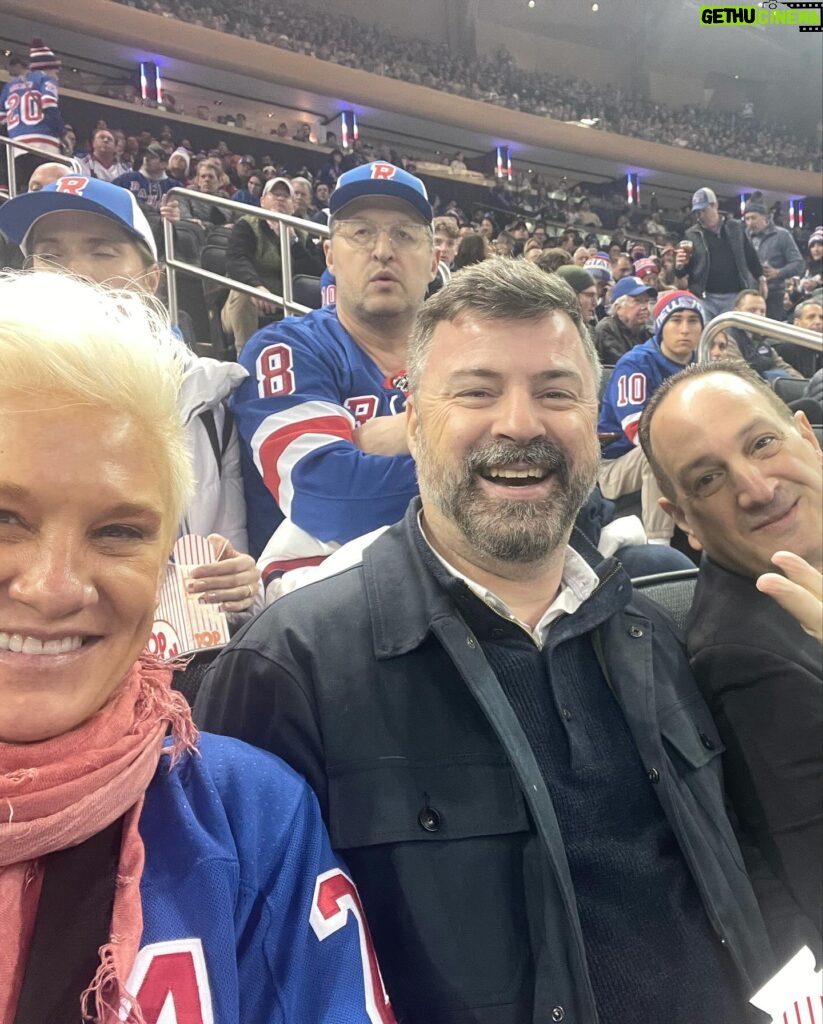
240,254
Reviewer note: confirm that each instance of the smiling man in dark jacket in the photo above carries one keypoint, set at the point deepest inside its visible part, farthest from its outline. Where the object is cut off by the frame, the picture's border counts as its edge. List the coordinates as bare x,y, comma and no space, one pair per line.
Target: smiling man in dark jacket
508,747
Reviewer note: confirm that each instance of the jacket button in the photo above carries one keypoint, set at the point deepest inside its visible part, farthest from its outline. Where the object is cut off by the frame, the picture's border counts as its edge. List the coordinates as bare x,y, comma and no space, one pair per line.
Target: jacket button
566,713
558,1013
429,819
707,743
653,774
471,642
635,632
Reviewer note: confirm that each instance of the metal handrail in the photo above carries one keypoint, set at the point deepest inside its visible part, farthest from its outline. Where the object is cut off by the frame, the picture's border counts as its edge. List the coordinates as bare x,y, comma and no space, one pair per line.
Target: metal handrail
11,155
286,300
774,330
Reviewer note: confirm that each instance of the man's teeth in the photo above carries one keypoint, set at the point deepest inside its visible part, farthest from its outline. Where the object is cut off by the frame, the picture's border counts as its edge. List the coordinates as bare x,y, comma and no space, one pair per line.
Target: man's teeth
18,644
517,474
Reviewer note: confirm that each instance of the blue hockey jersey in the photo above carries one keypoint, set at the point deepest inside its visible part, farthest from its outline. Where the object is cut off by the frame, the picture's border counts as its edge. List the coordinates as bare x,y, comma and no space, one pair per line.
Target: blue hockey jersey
147,190
248,917
635,378
309,387
29,111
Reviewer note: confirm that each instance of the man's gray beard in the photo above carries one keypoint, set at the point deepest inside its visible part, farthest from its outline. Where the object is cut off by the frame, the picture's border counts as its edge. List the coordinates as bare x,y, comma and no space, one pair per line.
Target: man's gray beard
508,530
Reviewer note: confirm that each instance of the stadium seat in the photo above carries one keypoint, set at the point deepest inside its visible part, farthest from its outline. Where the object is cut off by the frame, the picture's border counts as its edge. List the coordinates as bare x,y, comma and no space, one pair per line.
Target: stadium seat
306,291
674,591
790,388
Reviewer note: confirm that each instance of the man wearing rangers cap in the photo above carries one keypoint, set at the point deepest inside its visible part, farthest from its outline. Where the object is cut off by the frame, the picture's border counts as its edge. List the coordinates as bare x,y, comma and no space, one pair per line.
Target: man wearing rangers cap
325,455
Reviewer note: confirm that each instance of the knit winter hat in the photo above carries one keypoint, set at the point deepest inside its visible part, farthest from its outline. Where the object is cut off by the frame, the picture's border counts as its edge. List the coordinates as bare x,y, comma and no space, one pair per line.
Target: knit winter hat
644,267
599,266
671,302
184,153
816,236
577,278
41,58
756,206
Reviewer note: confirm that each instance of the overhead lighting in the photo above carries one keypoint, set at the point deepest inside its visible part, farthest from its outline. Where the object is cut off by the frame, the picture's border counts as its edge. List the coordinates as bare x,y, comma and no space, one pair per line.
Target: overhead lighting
531,3
595,8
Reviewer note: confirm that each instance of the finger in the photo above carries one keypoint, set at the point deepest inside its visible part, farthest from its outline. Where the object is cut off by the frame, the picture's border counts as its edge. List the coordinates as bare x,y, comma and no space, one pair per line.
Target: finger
798,602
238,595
230,567
799,571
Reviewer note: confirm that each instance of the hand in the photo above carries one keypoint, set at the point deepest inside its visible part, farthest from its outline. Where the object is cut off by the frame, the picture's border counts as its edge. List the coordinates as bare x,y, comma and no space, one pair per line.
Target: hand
770,273
263,305
384,435
170,210
231,582
799,592
681,259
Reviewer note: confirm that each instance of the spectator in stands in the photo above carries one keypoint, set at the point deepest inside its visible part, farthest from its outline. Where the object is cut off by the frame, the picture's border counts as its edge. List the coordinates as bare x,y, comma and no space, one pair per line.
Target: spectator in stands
30,110
301,188
532,249
622,267
550,259
627,322
326,458
179,163
780,259
45,174
580,256
446,238
472,249
754,348
723,347
583,285
487,227
68,141
250,195
185,867
206,214
102,162
722,260
504,245
151,183
812,279
809,315
678,323
743,478
668,274
97,231
586,216
485,715
647,269
331,171
253,258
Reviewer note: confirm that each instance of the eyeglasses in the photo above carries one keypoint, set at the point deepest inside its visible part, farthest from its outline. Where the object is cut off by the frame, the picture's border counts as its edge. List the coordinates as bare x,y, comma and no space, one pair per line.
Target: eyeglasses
364,234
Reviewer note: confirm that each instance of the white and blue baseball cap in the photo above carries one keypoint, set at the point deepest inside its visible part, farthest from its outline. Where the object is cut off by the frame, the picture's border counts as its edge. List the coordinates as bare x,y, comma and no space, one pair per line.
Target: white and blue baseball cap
75,192
381,179
632,286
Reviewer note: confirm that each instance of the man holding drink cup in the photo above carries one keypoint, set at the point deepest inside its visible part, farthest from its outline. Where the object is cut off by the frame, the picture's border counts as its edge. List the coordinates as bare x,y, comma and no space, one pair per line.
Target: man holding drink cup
716,257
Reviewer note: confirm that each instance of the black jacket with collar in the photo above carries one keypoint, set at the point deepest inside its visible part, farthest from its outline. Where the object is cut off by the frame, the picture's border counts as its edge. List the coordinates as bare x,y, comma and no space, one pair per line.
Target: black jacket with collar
745,258
370,684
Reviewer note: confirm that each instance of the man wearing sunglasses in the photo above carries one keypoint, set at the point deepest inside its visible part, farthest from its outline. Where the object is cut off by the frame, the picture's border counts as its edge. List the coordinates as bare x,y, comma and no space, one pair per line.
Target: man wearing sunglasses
325,453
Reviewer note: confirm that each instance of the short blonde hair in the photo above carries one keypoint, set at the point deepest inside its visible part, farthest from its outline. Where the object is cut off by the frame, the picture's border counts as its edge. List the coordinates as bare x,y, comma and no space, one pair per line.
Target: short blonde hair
66,339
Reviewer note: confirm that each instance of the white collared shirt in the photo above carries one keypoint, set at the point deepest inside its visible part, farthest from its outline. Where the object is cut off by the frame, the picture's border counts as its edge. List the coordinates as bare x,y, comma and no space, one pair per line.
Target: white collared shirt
577,583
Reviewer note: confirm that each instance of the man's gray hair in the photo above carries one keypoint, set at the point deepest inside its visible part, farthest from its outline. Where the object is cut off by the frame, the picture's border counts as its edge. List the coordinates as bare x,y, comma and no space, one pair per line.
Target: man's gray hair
499,288
798,309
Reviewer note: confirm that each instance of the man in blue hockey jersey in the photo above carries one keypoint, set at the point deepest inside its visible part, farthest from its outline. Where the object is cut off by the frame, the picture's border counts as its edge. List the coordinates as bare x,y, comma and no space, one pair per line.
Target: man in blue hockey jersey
678,324
326,457
29,110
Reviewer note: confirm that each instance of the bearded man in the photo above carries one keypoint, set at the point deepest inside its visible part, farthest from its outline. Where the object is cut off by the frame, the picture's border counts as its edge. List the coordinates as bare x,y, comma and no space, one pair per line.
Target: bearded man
500,735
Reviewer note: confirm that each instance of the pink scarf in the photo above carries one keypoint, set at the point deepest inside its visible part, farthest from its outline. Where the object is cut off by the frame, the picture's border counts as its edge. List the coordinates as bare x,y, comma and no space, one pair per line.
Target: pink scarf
57,793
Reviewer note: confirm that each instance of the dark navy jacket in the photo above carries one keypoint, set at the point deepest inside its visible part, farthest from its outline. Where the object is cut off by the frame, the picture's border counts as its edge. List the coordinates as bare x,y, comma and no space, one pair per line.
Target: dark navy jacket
371,685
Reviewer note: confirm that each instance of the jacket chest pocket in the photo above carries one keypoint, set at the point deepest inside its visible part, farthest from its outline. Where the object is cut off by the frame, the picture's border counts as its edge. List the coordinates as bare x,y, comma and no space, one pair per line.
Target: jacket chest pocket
395,800
690,732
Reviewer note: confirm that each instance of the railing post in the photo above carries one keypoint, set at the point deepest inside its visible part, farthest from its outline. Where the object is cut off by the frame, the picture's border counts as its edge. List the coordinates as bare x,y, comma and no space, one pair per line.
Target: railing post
171,273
